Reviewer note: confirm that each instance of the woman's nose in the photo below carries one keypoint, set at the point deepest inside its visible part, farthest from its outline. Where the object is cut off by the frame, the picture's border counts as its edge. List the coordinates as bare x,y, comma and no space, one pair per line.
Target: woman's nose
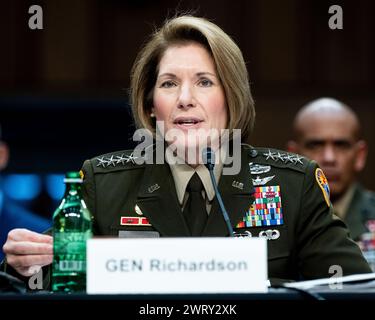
186,97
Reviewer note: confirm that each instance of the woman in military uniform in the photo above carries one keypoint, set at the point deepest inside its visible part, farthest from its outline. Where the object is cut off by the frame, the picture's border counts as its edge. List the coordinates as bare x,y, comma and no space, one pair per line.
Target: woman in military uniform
191,75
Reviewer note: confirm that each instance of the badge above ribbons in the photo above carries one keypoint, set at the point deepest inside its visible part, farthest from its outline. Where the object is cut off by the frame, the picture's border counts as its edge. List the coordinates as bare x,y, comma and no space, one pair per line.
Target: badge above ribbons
266,209
134,221
323,184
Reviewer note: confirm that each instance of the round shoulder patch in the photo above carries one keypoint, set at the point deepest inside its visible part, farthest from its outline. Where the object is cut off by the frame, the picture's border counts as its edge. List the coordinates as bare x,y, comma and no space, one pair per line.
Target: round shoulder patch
323,184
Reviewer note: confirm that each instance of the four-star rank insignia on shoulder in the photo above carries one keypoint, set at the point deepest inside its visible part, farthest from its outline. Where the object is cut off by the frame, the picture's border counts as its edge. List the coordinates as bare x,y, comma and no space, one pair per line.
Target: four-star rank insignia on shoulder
114,160
283,157
323,184
266,209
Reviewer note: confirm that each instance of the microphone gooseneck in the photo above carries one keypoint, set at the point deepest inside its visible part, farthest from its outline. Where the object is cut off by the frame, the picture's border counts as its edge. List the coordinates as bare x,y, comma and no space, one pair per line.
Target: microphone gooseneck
208,157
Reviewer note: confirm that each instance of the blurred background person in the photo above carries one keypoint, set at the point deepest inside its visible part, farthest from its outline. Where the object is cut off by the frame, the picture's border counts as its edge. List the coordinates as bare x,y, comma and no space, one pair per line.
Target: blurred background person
12,215
329,132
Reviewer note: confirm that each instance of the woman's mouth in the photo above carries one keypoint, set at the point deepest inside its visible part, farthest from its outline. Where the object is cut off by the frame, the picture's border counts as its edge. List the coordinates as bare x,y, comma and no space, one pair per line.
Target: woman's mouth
187,122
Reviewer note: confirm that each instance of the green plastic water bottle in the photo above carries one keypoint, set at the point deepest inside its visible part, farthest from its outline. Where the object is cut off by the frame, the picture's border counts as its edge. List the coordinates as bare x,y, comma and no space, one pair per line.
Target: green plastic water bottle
72,226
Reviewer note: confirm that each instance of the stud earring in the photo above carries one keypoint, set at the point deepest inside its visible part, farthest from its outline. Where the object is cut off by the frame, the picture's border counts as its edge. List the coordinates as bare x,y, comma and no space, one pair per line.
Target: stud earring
152,115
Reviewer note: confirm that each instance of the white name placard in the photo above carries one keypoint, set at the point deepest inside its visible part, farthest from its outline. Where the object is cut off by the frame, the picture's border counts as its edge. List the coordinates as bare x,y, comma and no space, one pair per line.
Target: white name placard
176,265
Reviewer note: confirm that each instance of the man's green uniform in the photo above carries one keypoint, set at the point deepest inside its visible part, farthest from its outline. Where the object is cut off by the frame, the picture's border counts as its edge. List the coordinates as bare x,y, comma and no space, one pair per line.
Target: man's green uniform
360,215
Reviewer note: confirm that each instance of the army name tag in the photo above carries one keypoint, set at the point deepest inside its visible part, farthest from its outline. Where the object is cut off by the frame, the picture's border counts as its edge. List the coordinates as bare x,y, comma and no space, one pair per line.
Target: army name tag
146,266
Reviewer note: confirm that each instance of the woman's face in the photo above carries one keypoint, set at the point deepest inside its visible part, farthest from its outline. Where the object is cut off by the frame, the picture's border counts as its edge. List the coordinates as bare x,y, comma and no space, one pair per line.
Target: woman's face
188,94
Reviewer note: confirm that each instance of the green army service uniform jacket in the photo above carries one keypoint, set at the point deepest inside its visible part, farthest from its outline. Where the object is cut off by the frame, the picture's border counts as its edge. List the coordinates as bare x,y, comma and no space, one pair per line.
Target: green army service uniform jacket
360,217
131,200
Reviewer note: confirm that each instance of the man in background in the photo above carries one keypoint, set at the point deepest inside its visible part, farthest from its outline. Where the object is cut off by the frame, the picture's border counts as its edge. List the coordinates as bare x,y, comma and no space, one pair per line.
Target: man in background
12,215
329,132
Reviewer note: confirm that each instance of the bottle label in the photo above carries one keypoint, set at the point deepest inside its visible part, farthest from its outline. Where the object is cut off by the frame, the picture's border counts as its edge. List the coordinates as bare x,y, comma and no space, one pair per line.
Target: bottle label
67,265
70,251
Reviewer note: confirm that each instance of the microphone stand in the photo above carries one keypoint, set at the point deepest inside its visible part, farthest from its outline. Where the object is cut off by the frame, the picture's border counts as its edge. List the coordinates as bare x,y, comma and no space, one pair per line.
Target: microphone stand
209,160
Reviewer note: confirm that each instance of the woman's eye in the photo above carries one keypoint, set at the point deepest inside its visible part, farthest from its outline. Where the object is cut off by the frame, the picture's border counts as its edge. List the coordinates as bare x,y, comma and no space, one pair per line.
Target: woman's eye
205,83
167,84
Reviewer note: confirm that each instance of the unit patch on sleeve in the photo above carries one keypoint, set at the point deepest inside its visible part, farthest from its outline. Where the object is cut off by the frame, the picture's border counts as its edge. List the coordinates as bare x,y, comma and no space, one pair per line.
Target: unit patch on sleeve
323,184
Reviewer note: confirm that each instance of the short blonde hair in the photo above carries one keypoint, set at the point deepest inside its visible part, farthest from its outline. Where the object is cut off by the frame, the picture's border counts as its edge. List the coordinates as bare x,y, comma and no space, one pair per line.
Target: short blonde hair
228,60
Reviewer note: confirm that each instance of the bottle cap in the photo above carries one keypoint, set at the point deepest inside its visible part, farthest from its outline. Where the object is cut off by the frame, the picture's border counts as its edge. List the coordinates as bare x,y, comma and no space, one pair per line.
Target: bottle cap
73,177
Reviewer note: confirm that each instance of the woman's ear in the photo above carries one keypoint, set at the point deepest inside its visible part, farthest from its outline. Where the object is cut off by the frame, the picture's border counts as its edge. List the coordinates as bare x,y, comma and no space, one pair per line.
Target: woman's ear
152,114
4,155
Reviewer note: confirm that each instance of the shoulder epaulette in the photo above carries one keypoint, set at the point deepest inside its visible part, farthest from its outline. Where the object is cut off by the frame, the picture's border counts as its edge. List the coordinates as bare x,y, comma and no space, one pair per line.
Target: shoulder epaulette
114,161
278,158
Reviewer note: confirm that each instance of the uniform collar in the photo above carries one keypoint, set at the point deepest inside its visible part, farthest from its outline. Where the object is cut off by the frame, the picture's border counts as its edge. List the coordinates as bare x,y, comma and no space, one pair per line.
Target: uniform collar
341,206
182,174
158,201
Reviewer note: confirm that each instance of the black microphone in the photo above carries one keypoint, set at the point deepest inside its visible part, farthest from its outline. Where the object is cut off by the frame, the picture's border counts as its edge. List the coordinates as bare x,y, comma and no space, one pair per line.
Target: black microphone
208,157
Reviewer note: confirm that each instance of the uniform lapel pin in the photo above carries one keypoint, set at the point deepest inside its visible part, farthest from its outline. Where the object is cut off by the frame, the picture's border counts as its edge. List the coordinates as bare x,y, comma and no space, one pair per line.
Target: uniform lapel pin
270,234
258,168
243,234
238,185
153,188
262,181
